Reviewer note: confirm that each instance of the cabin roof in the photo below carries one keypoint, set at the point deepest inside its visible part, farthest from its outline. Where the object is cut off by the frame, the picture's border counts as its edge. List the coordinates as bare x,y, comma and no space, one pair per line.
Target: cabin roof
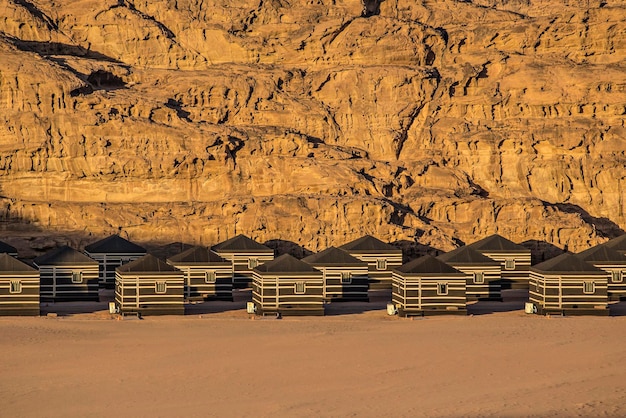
147,264
567,263
497,244
369,243
197,254
428,265
467,256
286,263
114,244
6,248
64,256
602,254
241,243
333,256
9,264
618,244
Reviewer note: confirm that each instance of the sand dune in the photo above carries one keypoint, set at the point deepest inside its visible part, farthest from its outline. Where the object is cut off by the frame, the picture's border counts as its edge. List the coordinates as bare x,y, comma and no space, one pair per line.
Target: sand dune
360,364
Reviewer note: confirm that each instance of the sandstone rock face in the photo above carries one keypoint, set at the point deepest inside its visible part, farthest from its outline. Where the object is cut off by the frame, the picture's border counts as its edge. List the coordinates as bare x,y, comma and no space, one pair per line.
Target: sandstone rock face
427,123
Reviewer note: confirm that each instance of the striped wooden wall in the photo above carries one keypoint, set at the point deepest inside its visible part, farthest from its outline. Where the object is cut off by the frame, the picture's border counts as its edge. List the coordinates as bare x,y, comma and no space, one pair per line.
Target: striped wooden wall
272,293
512,278
379,278
199,286
418,295
137,293
56,283
565,294
617,280
489,289
242,269
108,263
335,288
24,302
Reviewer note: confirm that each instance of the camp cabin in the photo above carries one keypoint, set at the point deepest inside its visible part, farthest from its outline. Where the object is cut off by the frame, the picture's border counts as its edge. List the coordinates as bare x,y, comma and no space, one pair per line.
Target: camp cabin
66,274
245,254
288,286
207,275
614,263
618,244
567,285
381,257
345,277
110,253
149,286
428,286
482,273
8,249
514,260
19,287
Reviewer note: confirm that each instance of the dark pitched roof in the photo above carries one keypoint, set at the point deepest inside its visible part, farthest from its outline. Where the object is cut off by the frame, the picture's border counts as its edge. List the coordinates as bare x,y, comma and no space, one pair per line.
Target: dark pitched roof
10,264
286,263
241,243
114,244
169,250
428,265
368,243
333,256
64,256
6,248
466,256
567,263
497,243
200,255
601,254
147,264
618,244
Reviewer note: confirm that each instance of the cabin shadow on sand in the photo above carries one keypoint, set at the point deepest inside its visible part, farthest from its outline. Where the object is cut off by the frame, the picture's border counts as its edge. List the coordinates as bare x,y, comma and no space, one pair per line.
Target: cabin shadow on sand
378,301
240,298
512,300
617,309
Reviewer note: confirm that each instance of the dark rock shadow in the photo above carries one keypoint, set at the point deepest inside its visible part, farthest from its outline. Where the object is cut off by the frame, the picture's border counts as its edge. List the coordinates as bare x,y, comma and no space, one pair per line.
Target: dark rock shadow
605,226
281,247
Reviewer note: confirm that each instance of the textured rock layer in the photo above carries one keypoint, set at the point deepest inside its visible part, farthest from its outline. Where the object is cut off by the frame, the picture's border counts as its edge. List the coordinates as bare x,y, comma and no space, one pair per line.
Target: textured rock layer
430,122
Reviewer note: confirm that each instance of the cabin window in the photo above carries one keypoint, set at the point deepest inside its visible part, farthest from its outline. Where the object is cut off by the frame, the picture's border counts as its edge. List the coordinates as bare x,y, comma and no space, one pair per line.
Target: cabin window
442,288
300,287
509,264
618,276
346,277
209,277
77,277
381,264
160,287
253,262
125,260
479,277
589,287
15,286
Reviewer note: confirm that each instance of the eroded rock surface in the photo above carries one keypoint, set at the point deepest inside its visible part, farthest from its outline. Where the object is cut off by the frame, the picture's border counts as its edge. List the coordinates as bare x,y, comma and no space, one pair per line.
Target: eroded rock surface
430,122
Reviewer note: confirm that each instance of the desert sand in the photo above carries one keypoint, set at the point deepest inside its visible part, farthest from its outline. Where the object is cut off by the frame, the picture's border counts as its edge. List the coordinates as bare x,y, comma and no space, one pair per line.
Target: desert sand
219,362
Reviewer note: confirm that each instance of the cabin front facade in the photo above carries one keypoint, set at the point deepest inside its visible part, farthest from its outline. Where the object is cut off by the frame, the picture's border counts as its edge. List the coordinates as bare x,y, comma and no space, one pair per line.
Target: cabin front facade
381,257
67,275
8,249
110,253
566,285
19,287
245,254
207,275
428,286
482,273
614,263
288,286
149,286
515,260
345,277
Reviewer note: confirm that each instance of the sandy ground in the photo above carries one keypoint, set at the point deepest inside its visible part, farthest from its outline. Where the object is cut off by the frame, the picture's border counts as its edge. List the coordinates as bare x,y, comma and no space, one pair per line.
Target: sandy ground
216,361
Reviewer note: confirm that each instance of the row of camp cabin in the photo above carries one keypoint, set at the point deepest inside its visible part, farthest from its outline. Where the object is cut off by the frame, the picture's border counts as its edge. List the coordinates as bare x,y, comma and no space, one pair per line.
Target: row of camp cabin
145,284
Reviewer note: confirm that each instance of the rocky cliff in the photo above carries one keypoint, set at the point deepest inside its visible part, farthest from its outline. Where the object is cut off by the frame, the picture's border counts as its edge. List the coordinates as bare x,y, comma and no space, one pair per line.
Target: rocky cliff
430,123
